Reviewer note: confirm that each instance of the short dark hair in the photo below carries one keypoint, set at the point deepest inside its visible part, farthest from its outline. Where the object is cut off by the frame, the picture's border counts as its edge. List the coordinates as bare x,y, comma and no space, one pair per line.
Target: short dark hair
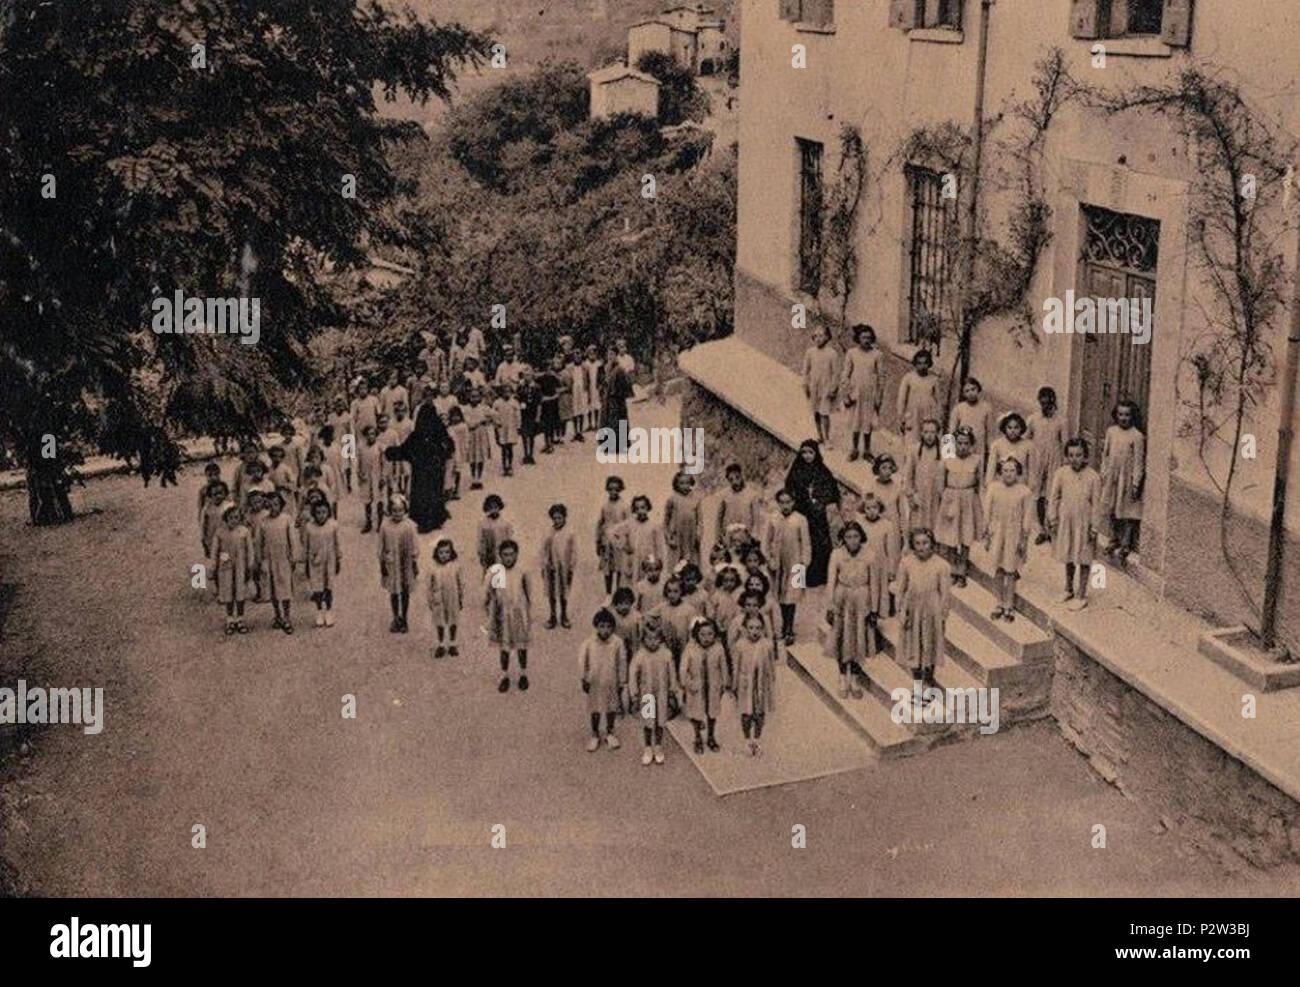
491,501
603,616
623,594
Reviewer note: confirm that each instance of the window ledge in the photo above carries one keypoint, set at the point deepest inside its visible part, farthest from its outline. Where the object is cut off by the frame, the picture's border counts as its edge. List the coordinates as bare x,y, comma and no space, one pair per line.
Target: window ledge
1135,47
808,28
938,35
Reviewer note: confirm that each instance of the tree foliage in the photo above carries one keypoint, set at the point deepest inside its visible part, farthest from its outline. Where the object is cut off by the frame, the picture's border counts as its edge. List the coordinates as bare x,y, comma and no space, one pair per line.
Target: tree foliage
198,145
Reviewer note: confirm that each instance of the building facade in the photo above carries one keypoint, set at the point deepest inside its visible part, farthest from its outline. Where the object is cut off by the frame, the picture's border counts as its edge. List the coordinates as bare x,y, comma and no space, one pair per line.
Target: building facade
619,89
1119,189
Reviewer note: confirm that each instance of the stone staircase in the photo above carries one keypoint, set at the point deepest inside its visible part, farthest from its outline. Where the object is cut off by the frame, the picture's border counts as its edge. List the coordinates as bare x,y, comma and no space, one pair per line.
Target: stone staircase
1015,658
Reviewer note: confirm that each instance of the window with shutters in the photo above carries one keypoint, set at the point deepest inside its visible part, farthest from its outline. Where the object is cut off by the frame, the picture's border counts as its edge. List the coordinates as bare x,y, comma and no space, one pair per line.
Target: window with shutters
932,252
1131,18
1168,21
817,13
926,14
810,216
944,13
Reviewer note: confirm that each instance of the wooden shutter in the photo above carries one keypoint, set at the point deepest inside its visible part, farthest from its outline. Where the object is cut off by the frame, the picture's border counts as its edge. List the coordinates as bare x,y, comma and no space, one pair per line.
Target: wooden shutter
1085,18
902,14
790,10
1176,26
819,12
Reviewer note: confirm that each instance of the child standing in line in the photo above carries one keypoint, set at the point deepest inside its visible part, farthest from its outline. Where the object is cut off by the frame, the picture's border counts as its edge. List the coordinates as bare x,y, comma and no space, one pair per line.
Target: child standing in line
399,565
890,493
918,395
738,504
478,419
578,394
548,383
1123,473
674,618
692,595
255,516
559,549
1074,514
924,597
365,407
370,473
612,514
509,605
215,494
851,615
1048,435
723,606
400,428
682,520
604,678
591,377
704,679
1009,512
320,542
508,416
650,590
789,553
863,388
472,374
459,461
277,549
1011,444
231,563
753,681
922,478
385,438
211,473
341,422
652,686
255,482
975,413
961,520
446,597
628,623
393,393
821,368
883,551
640,539
530,402
493,532
333,464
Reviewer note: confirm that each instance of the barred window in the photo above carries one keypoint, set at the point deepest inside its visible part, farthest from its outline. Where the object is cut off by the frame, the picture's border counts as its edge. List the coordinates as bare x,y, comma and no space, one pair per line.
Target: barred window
932,254
810,216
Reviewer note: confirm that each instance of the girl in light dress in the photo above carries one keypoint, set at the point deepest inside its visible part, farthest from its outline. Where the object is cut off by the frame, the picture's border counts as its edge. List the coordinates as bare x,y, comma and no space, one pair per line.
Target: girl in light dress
682,521
753,681
459,461
591,379
961,519
975,413
508,600
479,421
277,550
559,550
1009,518
507,414
891,493
446,597
863,389
1011,444
850,614
821,364
652,688
1123,474
1074,514
883,551
918,394
603,673
924,599
323,559
1047,432
789,553
923,477
579,399
704,677
613,512
231,563
399,564
639,539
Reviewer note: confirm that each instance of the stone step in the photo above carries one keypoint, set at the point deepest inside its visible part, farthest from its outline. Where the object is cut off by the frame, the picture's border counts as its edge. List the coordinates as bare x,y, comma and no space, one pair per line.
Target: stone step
1021,638
867,716
884,675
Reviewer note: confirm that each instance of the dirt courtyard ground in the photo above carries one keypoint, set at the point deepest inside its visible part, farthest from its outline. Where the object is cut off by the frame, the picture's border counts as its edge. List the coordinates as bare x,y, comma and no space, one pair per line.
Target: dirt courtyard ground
244,736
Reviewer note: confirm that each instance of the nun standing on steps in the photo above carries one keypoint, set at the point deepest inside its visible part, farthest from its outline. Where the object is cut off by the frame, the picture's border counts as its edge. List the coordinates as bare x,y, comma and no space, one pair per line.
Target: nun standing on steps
815,491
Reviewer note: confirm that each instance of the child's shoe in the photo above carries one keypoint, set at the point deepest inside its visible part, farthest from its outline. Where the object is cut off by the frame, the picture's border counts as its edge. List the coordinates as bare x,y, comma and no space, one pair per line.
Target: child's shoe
523,683
565,623
659,754
753,746
647,756
699,746
320,618
453,651
241,627
1077,604
230,626
997,614
593,745
612,741
287,627
402,626
365,528
1042,538
550,623
1065,597
1008,615
329,618
504,684
439,652
276,624
714,745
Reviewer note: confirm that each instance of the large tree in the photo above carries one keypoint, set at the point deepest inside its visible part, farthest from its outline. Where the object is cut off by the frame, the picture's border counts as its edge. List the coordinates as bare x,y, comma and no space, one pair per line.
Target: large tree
200,145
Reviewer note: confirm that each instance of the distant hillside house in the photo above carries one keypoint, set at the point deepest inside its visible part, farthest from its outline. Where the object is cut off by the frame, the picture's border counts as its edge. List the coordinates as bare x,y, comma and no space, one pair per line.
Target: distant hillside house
691,34
619,89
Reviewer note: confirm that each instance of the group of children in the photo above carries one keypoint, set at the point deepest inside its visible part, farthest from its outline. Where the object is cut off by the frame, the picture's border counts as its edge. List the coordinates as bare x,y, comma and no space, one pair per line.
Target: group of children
997,481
